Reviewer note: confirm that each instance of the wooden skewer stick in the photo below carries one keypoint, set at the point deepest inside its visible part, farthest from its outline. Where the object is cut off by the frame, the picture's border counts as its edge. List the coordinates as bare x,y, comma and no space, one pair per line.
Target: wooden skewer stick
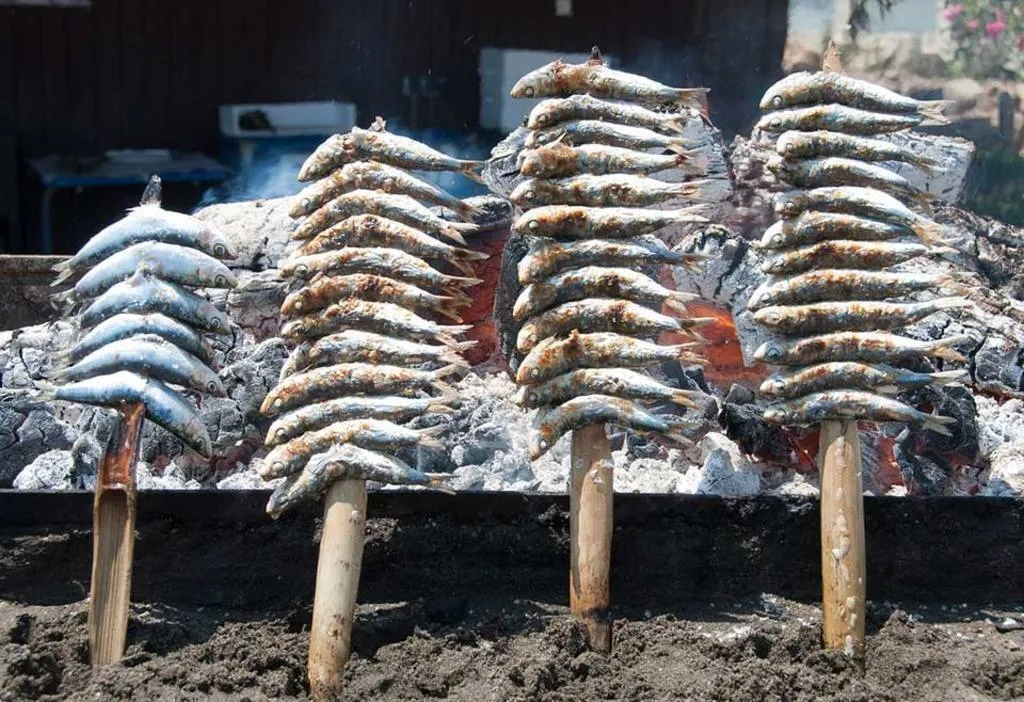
590,533
337,584
843,564
113,539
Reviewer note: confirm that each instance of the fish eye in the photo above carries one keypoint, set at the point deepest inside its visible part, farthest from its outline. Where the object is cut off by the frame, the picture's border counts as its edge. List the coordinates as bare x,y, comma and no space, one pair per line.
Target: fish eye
297,305
535,372
777,101
220,280
789,207
277,402
544,443
277,466
774,123
306,203
533,225
215,323
773,354
542,119
774,316
529,92
220,251
302,269
211,386
529,195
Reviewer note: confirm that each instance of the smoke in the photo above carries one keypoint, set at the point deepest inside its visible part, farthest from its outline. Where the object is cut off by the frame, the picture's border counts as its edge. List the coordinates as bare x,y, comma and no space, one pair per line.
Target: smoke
271,170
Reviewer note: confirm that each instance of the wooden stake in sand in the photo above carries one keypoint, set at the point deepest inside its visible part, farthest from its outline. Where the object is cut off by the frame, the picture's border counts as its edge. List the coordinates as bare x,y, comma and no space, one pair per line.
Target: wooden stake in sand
113,539
843,563
337,583
590,533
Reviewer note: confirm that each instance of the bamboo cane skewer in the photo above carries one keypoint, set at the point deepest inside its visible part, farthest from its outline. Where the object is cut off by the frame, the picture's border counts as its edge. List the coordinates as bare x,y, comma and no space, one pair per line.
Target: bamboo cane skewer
113,527
337,584
843,562
590,533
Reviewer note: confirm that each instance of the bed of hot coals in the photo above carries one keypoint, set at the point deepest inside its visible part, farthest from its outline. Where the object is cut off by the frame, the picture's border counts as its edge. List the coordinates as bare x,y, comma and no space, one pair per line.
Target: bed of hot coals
58,446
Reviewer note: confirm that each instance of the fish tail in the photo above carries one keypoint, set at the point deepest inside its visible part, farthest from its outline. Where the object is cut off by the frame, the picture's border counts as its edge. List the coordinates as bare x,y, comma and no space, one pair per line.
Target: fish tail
442,404
942,348
952,303
463,209
943,251
678,438
463,265
688,322
63,275
947,377
677,302
444,388
42,392
467,281
684,351
432,431
694,97
932,111
693,157
693,262
450,314
450,231
938,423
677,123
929,231
923,200
685,398
461,346
437,481
471,169
927,164
450,369
64,300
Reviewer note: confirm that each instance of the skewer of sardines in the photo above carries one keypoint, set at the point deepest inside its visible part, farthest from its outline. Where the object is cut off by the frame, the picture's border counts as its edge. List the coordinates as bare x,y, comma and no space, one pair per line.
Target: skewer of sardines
590,307
372,316
831,296
140,326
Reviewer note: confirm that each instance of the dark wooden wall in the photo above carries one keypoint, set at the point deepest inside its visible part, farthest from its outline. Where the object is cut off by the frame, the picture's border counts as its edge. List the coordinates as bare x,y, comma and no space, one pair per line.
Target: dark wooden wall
151,73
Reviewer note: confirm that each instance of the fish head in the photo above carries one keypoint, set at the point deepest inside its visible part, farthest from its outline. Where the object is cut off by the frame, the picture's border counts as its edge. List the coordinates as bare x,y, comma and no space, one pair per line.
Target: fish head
272,403
791,203
769,352
770,316
525,397
543,138
774,236
543,115
295,267
295,329
530,163
787,144
539,81
774,415
781,93
777,165
772,386
762,297
525,194
772,122
214,241
540,443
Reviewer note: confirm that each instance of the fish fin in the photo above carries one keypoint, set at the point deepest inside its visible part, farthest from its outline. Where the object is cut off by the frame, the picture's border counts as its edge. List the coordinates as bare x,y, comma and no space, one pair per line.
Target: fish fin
694,97
450,369
887,389
64,301
436,481
465,227
942,348
471,255
467,282
62,276
153,194
938,424
677,123
947,377
461,346
693,157
440,407
676,304
684,398
463,266
932,111
470,168
456,328
464,210
432,431
61,265
928,165
688,322
450,314
929,232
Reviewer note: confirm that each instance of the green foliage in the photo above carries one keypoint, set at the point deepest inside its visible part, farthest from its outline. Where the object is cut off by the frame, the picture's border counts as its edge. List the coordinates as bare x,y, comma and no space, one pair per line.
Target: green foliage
995,184
989,38
860,16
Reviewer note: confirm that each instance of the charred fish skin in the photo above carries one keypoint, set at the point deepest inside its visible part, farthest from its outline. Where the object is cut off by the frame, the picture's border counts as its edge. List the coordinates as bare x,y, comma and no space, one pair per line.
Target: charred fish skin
833,170
621,383
855,200
865,347
559,79
797,145
355,346
123,326
400,208
558,160
397,263
372,231
147,223
811,227
327,290
827,317
579,132
851,375
853,404
381,317
345,461
147,355
837,284
848,254
617,190
383,147
584,107
816,88
370,175
373,434
142,294
552,357
169,262
163,406
547,257
572,222
836,118
318,415
551,423
345,378
595,315
594,281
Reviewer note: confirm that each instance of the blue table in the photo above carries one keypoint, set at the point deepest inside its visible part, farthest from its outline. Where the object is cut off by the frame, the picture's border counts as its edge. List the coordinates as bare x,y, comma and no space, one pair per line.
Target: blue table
56,172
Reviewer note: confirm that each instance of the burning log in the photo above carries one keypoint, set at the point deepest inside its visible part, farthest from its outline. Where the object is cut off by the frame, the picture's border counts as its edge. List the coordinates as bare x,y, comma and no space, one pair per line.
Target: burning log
141,330
368,350
579,282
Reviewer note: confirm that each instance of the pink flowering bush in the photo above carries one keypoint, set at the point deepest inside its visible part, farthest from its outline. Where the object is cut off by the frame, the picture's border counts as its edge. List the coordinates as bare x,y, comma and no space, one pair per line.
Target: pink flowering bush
989,36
